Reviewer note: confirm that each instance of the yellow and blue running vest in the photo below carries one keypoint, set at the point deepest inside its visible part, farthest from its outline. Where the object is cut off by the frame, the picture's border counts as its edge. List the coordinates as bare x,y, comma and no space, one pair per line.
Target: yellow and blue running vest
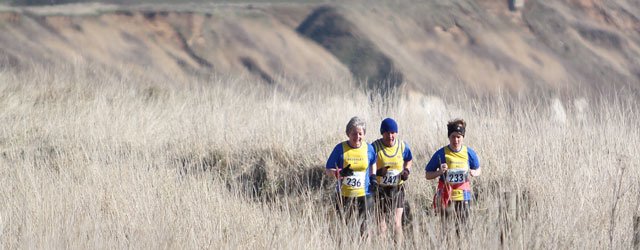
391,157
455,184
358,160
457,175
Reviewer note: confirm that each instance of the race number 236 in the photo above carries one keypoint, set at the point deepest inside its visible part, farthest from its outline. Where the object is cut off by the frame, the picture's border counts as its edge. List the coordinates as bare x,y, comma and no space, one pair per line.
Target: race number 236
353,182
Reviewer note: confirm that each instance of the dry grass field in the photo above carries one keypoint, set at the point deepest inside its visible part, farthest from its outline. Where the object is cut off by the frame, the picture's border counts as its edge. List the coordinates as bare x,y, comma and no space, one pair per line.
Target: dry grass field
98,160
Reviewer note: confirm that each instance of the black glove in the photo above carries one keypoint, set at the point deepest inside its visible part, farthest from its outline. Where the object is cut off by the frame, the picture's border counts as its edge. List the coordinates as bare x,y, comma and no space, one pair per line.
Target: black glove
382,171
373,184
346,171
404,175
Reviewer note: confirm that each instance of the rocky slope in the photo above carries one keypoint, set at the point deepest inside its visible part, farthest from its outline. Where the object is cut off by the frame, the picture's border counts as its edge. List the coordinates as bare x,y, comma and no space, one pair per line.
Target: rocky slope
425,46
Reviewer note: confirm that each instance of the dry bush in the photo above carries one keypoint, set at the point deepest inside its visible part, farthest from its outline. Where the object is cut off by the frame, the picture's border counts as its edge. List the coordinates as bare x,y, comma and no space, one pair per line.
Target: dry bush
93,159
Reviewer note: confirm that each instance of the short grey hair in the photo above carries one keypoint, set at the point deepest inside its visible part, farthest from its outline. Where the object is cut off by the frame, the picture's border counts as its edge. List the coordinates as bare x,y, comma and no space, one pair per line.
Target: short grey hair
356,122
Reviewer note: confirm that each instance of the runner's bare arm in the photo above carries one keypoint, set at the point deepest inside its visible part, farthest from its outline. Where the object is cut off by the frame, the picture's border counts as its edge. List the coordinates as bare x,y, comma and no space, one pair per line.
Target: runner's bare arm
408,164
331,172
435,174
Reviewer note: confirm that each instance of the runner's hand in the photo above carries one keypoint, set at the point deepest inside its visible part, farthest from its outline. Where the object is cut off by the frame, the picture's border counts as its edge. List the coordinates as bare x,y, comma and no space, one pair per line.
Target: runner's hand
346,171
382,171
373,184
404,175
443,168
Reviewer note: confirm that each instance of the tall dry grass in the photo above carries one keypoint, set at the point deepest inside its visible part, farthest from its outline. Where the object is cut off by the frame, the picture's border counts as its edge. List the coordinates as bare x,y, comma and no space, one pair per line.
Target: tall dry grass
92,159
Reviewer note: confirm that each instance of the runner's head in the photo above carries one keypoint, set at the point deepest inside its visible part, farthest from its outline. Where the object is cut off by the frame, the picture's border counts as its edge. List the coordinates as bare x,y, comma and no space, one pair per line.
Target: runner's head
456,125
389,131
388,125
356,129
456,130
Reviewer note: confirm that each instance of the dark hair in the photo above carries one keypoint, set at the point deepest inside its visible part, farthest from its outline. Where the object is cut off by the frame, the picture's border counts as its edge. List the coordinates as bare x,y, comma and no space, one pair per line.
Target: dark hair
456,125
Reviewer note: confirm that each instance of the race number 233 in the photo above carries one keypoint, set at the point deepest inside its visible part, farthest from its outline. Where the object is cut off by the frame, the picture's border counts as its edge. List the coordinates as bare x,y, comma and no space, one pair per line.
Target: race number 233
456,175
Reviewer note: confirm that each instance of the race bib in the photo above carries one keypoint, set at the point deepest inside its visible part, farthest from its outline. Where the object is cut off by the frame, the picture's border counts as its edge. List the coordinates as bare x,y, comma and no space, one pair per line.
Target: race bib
392,178
456,176
356,181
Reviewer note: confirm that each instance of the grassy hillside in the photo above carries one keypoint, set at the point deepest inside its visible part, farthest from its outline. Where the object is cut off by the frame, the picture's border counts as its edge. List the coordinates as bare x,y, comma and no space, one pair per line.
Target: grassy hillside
423,46
57,2
90,159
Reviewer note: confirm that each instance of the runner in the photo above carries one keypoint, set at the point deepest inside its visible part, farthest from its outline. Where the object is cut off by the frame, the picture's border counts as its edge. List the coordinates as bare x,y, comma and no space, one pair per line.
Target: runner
453,164
351,163
394,160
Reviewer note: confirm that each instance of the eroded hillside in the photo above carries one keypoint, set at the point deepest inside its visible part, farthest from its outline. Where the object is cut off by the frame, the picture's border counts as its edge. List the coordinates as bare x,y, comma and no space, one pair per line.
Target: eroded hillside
427,46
